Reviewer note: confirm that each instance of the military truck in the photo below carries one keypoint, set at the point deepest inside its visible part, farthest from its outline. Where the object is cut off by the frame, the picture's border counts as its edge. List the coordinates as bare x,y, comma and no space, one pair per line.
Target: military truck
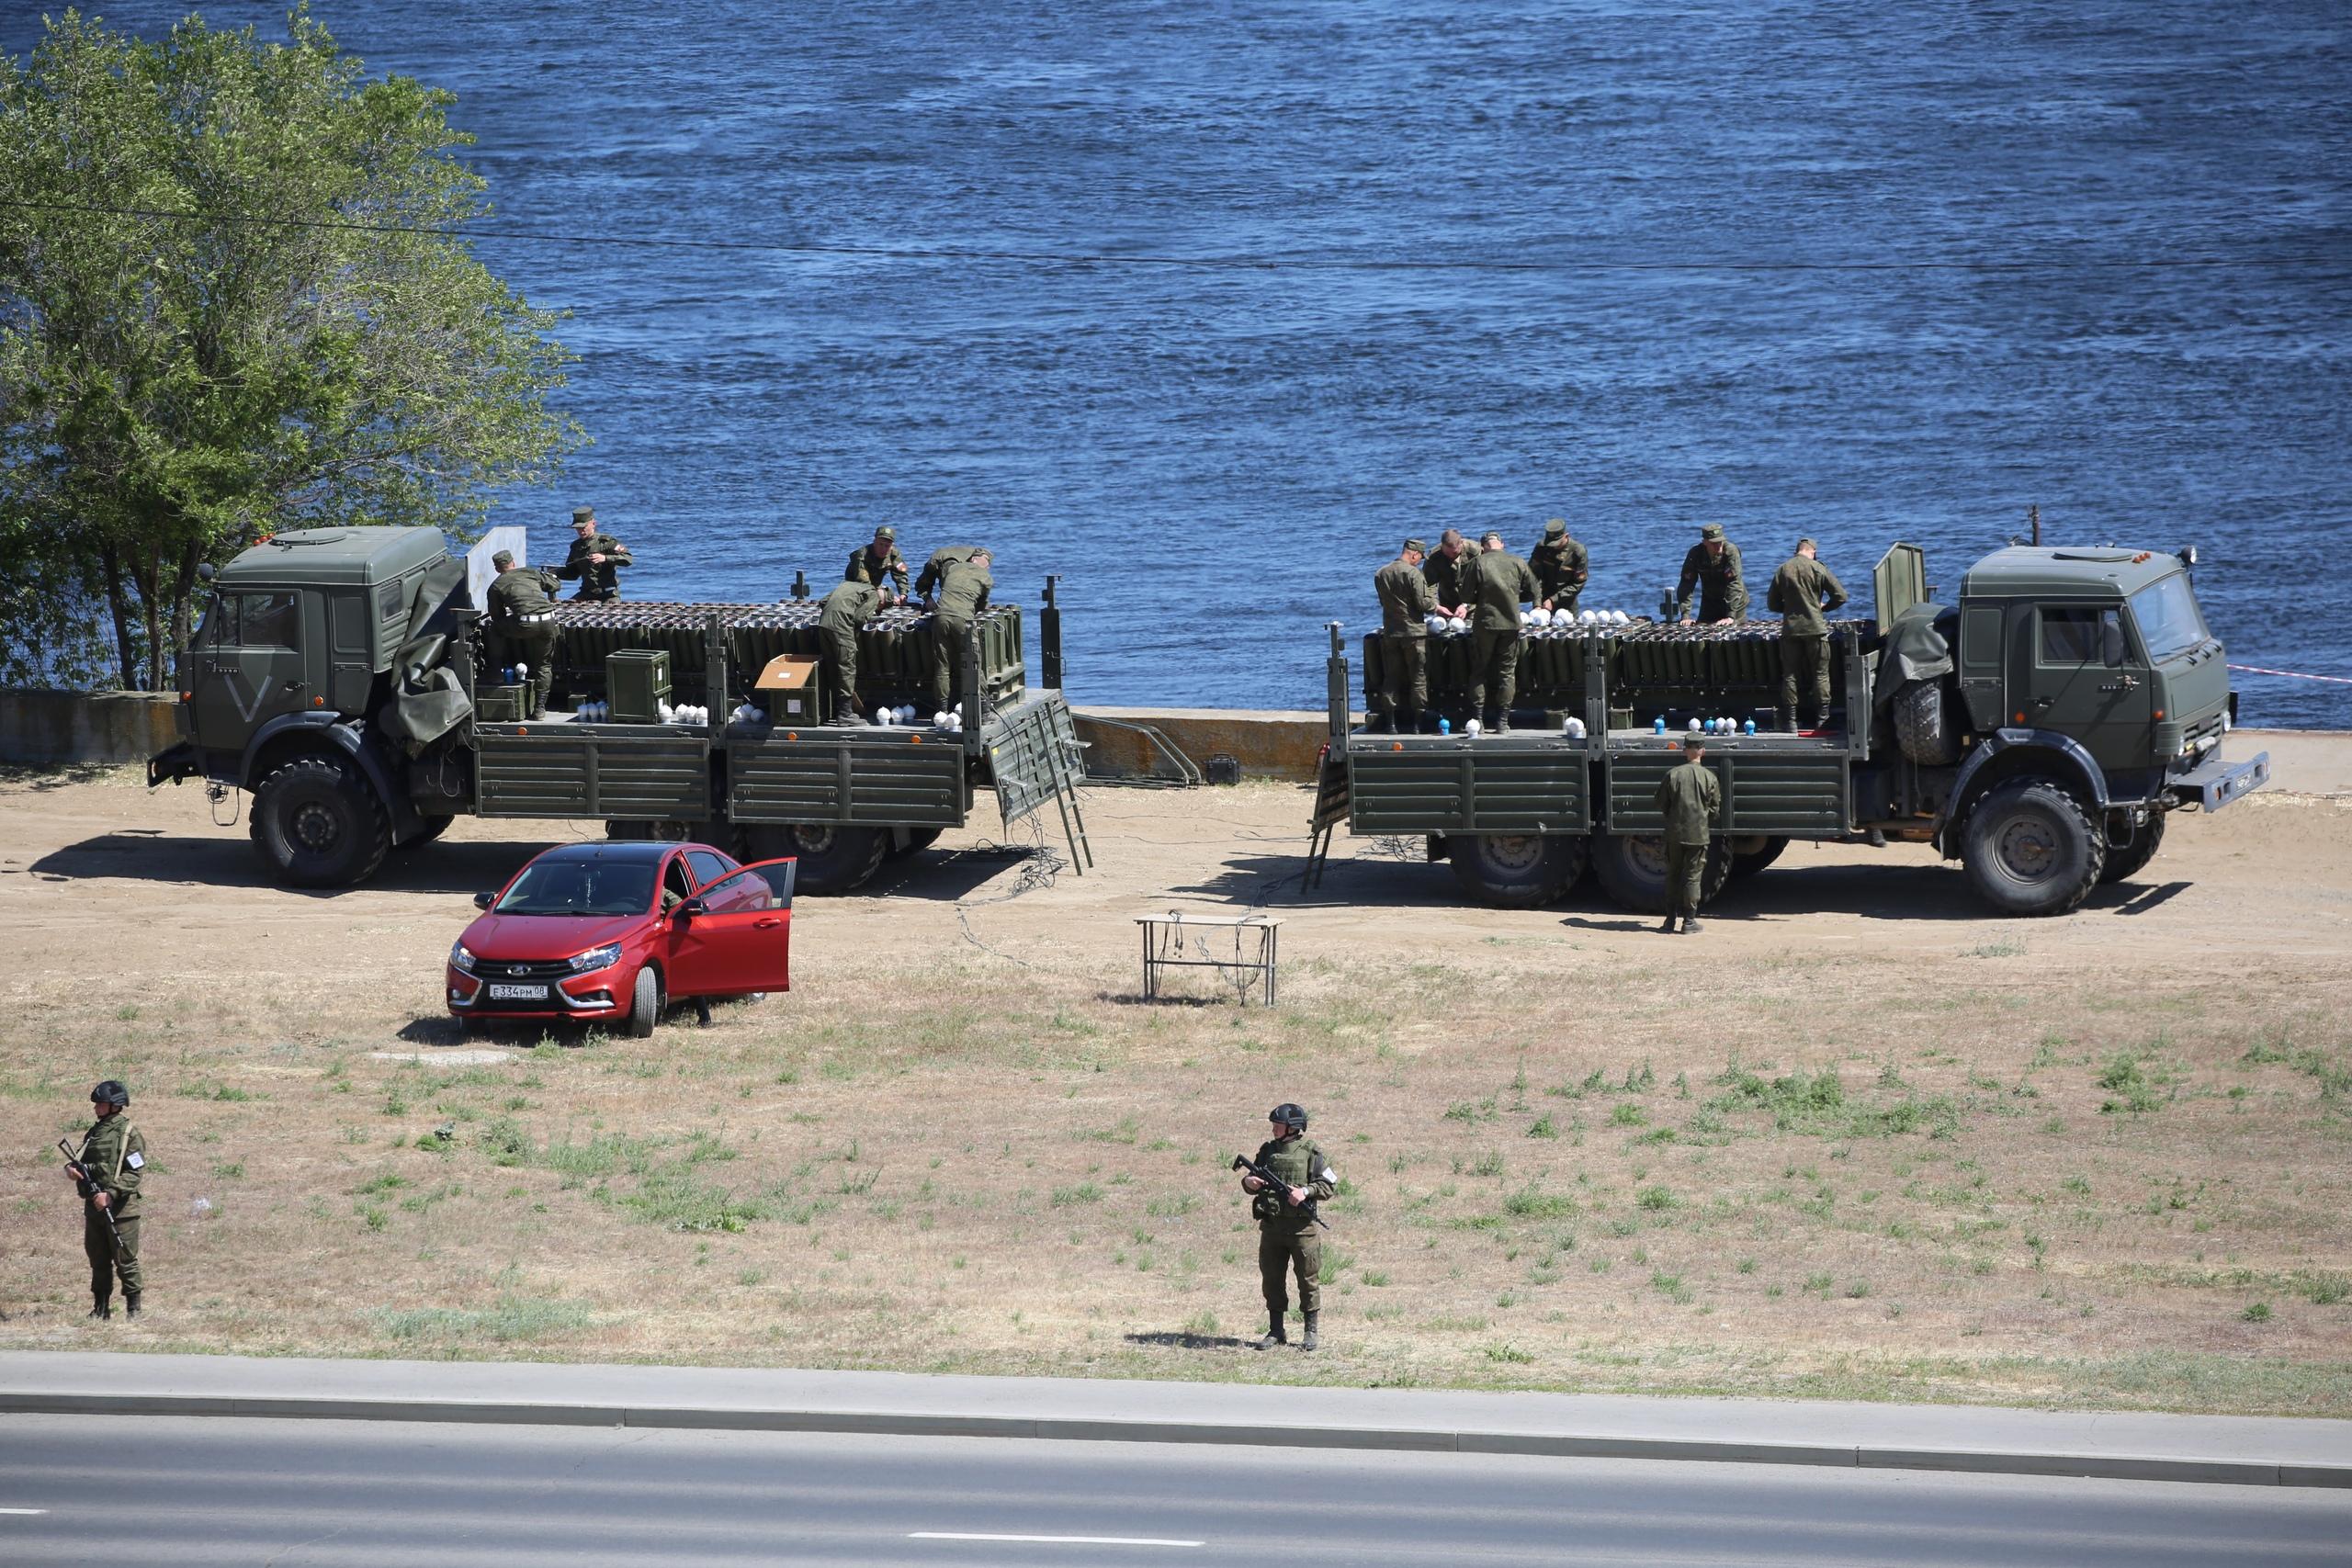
335,674
2040,731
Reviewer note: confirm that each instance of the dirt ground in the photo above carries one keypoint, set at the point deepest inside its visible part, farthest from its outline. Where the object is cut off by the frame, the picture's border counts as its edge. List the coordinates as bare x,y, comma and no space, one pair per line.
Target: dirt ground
1857,1139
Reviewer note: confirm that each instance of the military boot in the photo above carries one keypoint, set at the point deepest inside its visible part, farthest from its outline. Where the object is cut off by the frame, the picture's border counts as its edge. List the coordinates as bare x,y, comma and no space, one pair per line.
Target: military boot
1380,724
1503,721
130,1304
1308,1343
1690,925
102,1306
1785,720
1409,722
1665,926
1275,1333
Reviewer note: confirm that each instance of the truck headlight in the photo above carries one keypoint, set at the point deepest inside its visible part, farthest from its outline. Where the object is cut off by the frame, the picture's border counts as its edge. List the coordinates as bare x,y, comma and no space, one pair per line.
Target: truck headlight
603,957
460,958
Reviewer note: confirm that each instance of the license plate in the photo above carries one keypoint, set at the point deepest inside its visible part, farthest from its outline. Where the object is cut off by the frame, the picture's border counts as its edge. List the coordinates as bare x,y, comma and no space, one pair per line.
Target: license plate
517,993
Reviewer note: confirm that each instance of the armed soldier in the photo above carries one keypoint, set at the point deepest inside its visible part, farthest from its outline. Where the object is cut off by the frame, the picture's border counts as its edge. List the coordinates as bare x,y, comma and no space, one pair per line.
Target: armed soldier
963,594
1712,567
595,560
872,563
941,559
1287,1224
847,608
1499,583
1803,592
106,1170
1689,796
1449,573
522,624
1561,565
1406,603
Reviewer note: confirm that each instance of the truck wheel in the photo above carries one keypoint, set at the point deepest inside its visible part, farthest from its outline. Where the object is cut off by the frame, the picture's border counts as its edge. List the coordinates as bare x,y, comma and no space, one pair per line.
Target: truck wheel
433,828
318,825
1748,862
1632,868
1923,727
644,1004
2125,863
2031,850
834,859
920,840
1508,871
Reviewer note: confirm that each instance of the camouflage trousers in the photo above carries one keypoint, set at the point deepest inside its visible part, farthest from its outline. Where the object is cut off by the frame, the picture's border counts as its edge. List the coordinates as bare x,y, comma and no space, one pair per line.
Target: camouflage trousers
843,673
533,646
1280,1250
1404,672
1494,669
1805,668
948,636
108,1257
1686,866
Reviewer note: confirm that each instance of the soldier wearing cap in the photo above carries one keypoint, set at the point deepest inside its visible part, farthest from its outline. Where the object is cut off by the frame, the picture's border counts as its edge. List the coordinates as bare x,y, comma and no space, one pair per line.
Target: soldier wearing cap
1449,570
870,563
1688,797
1712,566
595,560
847,608
107,1169
522,624
1499,583
1803,592
1561,565
936,566
1288,1238
1406,603
963,594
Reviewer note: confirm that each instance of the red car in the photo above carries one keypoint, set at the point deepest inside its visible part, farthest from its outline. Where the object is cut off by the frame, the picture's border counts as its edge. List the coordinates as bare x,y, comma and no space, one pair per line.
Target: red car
598,932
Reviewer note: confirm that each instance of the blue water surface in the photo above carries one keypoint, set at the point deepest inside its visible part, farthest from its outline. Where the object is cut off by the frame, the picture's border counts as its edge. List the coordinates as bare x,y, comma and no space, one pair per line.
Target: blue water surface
1869,271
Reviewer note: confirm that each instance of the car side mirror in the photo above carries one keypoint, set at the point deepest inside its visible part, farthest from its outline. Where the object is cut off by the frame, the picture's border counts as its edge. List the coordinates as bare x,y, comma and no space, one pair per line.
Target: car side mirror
2110,639
689,908
484,900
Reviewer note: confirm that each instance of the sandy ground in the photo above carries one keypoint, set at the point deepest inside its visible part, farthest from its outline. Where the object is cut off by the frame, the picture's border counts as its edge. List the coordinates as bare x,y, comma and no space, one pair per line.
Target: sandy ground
1856,1138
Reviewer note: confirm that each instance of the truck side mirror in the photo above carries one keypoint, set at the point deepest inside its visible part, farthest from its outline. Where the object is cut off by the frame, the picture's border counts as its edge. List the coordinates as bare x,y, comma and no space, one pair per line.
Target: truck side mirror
2110,639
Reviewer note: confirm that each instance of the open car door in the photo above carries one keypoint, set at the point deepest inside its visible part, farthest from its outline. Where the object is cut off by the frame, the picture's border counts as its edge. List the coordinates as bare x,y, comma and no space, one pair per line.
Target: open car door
734,936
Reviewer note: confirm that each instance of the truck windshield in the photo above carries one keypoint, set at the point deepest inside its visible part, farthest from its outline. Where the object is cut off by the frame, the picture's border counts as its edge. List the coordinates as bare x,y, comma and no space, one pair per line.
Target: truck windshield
580,887
2168,617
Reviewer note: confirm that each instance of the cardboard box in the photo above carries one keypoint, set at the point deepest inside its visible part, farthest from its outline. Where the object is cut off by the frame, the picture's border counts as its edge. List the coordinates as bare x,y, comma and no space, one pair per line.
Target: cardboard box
791,691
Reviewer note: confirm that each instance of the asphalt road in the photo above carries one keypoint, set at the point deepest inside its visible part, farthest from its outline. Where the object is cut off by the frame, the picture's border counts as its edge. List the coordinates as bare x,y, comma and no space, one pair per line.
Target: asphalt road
193,1493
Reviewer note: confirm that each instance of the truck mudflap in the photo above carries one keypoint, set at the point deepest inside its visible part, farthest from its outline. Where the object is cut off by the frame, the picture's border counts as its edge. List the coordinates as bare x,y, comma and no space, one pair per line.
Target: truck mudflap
2215,783
1035,757
173,764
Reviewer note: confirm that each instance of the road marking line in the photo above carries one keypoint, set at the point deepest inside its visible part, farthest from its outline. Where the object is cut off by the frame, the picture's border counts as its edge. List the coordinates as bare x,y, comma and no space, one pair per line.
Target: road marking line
1063,1540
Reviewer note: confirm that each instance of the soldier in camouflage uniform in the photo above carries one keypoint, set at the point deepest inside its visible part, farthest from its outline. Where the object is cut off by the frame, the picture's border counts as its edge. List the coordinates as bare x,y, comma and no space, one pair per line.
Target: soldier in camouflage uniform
1560,565
934,569
522,625
1406,602
1712,567
963,594
112,1157
1689,796
1287,1236
595,560
872,563
1499,583
1449,573
1803,592
848,607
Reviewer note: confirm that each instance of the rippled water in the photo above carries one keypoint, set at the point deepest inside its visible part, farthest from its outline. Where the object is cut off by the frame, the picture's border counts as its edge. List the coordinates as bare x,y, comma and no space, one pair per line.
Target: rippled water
1889,305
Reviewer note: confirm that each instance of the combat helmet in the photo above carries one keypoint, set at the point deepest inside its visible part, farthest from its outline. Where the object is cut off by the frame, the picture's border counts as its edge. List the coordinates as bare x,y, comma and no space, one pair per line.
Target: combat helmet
1289,1115
111,1092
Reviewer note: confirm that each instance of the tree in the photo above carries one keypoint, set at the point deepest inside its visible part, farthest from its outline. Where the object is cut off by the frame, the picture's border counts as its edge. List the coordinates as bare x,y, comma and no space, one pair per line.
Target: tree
232,302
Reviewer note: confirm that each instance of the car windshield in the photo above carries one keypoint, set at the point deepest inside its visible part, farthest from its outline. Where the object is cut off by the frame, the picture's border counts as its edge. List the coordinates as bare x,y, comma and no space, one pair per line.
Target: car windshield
2168,617
581,887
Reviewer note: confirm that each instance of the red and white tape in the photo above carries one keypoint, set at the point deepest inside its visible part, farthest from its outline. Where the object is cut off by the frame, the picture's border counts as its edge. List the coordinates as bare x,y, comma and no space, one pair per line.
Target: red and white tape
2293,674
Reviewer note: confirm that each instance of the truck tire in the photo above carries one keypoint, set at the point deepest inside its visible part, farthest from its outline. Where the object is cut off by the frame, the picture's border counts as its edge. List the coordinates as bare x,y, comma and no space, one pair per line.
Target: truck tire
644,1004
2030,849
1748,862
1923,725
2126,862
1510,871
433,828
1632,868
834,859
919,841
318,824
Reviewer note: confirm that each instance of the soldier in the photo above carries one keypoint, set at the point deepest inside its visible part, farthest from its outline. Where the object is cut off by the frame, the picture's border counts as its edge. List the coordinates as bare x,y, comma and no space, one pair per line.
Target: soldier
107,1168
1287,1236
1449,573
1406,602
595,560
963,594
848,607
1713,565
1689,797
1501,583
1804,592
522,624
928,583
1560,565
871,562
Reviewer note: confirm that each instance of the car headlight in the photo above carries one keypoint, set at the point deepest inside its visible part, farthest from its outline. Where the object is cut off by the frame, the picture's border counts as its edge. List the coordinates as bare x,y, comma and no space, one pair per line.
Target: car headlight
603,957
460,958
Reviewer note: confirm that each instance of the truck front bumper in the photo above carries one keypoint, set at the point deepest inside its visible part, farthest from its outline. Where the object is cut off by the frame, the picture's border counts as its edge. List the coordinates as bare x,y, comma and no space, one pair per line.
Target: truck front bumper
174,763
2213,784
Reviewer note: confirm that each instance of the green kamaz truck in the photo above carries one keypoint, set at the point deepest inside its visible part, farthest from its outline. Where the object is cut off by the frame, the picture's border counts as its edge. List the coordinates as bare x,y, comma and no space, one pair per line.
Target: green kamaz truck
343,677
2040,731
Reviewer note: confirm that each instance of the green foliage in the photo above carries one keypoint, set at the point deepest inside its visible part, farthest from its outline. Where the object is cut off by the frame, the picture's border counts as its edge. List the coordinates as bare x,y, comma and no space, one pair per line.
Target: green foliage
231,303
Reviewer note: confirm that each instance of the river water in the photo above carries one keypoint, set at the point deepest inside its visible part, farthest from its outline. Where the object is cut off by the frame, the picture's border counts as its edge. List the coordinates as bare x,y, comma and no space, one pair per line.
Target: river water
1869,271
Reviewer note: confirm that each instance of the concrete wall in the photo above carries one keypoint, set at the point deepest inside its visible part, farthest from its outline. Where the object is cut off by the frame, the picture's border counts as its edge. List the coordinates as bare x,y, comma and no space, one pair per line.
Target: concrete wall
1269,745
42,727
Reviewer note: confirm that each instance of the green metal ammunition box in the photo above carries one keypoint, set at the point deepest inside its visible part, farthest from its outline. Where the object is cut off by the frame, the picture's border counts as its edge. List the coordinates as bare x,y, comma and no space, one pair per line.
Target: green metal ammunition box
500,705
636,682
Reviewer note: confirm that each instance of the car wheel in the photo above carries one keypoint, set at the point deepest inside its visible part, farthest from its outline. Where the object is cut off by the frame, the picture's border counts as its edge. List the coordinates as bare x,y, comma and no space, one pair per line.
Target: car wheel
644,1003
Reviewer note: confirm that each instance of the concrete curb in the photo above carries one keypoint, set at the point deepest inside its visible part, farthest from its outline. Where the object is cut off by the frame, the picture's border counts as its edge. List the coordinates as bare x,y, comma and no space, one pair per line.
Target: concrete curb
2093,1466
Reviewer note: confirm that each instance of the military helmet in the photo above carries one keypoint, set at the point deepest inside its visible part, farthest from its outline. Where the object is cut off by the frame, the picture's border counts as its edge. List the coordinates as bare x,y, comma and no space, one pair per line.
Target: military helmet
1556,529
1289,1115
110,1092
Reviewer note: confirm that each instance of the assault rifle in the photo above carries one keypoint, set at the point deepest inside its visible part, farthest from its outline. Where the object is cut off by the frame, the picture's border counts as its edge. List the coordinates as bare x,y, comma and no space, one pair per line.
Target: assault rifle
88,1187
1277,1192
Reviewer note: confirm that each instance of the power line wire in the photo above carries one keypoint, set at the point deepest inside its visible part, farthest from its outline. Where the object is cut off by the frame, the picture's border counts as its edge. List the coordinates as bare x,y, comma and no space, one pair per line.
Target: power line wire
1211,262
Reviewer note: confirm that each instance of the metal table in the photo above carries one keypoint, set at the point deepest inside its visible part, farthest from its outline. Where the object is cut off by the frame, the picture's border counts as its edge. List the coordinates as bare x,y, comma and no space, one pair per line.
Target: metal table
1179,940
